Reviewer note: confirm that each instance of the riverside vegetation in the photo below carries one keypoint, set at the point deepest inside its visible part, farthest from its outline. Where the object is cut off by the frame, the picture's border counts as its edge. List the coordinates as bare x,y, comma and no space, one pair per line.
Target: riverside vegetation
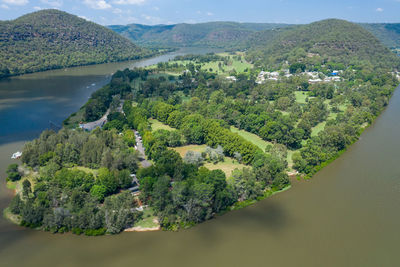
290,106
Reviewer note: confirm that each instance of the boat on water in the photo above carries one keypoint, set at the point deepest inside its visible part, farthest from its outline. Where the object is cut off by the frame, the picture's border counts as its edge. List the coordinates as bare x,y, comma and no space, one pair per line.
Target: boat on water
16,155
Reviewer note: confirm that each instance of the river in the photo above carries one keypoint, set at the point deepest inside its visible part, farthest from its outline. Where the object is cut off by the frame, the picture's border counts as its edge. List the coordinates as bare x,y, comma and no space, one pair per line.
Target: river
346,215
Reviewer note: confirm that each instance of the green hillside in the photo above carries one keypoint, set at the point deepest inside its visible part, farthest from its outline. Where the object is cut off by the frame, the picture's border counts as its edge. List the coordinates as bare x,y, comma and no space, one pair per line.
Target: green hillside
388,33
51,39
212,34
332,40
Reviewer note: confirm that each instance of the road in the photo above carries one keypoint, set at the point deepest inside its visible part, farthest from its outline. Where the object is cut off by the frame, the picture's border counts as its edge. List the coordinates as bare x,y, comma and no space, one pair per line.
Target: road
140,148
94,124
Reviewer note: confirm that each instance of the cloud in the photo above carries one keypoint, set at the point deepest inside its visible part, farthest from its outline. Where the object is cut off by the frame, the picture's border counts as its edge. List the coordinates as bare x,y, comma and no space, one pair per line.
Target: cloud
85,18
128,2
379,9
37,8
97,4
210,14
4,6
16,2
55,3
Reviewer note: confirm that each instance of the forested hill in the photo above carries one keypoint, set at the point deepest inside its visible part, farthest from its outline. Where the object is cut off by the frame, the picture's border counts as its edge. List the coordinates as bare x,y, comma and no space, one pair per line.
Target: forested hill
212,34
50,39
332,40
388,33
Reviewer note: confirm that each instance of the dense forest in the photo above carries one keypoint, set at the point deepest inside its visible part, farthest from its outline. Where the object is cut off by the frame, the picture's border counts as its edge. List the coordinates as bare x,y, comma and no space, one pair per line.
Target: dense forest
387,33
331,40
51,39
220,131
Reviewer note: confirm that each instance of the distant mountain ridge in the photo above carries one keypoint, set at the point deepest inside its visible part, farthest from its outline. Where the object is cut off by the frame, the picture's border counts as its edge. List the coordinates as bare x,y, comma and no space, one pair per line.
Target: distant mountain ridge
230,34
211,34
51,39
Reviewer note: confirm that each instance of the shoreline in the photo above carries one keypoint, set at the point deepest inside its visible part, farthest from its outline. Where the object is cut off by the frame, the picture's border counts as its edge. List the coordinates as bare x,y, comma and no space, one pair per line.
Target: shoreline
142,229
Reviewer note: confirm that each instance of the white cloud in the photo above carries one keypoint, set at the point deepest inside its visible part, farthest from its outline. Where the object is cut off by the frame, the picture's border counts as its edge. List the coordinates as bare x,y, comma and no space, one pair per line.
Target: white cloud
4,6
210,14
85,18
97,4
55,3
379,9
16,2
37,8
128,2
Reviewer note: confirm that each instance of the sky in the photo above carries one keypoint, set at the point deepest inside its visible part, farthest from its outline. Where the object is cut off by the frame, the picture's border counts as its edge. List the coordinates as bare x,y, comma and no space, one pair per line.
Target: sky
151,12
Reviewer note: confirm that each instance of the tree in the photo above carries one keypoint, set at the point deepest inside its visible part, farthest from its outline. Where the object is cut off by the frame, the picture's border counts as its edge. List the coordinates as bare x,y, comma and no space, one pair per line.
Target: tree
13,173
119,212
193,157
26,188
98,192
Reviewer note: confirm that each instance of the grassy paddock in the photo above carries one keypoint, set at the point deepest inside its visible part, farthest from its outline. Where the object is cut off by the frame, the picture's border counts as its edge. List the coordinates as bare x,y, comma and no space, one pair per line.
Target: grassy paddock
255,139
227,166
182,150
317,129
301,96
158,125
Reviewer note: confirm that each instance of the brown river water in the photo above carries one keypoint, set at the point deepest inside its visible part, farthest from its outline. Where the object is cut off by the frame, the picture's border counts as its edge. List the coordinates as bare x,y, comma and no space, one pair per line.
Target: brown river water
346,215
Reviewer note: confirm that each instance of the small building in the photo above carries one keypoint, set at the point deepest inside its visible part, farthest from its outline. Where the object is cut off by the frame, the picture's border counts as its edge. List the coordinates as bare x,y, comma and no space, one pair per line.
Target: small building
231,78
313,81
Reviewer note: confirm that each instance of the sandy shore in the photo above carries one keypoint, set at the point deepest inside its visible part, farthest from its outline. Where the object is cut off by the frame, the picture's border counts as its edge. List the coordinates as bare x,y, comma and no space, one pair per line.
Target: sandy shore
142,229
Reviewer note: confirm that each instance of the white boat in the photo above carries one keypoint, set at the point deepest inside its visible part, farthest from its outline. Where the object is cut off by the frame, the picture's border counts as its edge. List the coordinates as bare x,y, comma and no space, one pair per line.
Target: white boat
16,155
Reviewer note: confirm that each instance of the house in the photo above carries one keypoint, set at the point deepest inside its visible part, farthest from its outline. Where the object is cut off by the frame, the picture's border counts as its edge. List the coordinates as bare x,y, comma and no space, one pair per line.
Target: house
312,81
231,78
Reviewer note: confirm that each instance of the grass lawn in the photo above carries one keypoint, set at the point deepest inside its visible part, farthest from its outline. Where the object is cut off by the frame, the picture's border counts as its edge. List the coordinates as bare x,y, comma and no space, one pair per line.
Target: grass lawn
75,118
148,219
315,130
11,185
158,125
255,139
289,157
301,96
183,149
227,166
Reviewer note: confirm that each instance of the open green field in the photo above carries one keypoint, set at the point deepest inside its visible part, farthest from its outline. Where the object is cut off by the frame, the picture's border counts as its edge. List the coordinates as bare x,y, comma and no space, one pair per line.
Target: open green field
317,129
148,220
255,139
182,150
238,65
158,125
301,96
227,166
